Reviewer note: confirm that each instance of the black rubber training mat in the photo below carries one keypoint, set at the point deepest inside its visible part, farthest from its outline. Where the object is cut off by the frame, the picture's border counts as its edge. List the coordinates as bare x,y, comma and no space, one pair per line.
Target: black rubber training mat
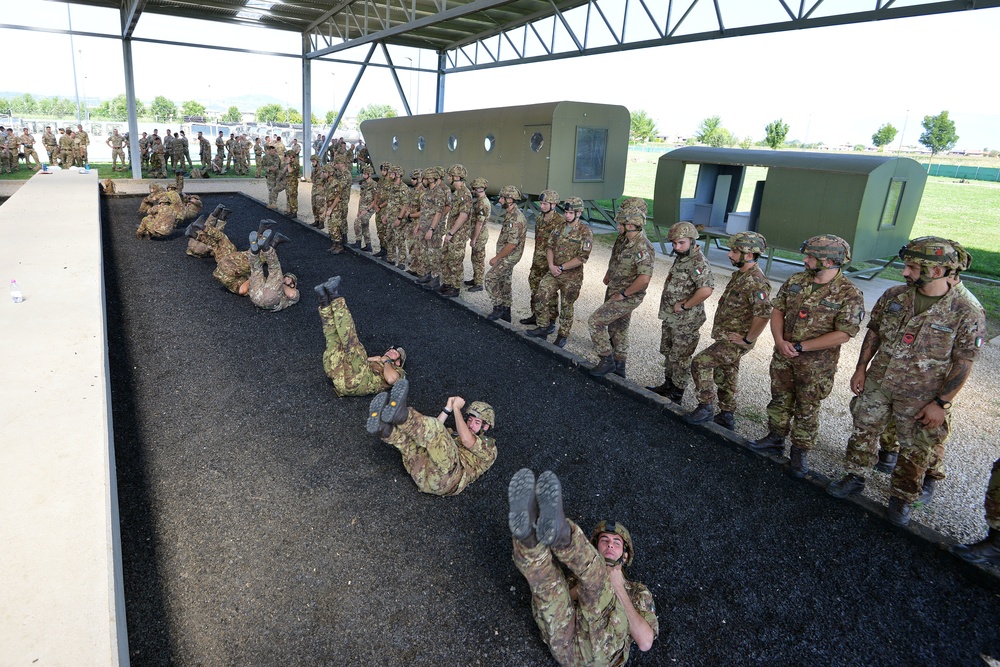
261,524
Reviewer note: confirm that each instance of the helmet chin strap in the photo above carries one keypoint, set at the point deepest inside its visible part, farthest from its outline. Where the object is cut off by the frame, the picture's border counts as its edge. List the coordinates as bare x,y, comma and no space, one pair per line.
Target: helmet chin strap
615,563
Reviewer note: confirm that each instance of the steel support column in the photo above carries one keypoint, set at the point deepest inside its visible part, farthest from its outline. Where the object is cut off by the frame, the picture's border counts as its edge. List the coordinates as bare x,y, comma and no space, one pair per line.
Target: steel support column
439,102
133,122
306,109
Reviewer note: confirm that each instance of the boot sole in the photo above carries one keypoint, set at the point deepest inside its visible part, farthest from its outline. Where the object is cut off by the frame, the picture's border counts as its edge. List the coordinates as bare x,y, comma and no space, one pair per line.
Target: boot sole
397,399
837,493
374,423
520,494
548,492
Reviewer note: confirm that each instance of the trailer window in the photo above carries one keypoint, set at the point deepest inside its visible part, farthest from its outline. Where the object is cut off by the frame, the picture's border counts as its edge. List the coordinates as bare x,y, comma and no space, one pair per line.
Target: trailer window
591,150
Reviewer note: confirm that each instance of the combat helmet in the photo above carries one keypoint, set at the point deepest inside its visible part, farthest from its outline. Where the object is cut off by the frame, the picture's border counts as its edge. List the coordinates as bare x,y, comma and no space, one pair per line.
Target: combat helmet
550,196
415,175
385,166
395,169
431,173
637,204
574,204
748,242
367,170
295,279
964,258
458,171
479,182
484,411
932,251
510,191
402,355
619,530
827,246
682,230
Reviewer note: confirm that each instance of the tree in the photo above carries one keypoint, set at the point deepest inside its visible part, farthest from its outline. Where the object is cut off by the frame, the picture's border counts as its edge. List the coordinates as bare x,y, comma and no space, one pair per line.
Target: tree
192,108
712,133
313,119
376,111
291,115
746,143
331,117
642,126
775,133
884,136
269,113
232,115
24,104
939,134
163,109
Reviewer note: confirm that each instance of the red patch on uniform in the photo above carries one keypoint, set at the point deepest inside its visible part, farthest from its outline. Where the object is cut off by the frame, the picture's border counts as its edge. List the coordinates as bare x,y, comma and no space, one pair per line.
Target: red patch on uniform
803,314
908,338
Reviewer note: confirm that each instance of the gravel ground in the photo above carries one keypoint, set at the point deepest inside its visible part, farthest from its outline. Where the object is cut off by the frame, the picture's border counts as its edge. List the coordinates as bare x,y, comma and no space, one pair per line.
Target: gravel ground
261,525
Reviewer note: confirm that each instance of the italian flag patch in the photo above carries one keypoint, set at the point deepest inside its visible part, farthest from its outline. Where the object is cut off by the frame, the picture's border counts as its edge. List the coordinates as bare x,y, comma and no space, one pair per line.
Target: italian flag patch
762,295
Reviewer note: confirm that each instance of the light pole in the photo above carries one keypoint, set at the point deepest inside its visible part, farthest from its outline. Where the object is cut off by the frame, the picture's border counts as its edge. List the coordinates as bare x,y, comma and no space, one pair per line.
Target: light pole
411,82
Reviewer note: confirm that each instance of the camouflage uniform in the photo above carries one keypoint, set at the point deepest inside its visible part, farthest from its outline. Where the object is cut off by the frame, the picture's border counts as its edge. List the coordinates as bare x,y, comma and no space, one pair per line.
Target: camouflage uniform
453,250
27,142
82,139
220,145
398,195
268,292
432,201
433,249
681,331
435,457
204,152
51,145
593,629
914,357
571,240
232,267
366,203
65,151
292,171
345,360
231,148
168,148
993,498
608,325
338,194
272,172
258,155
513,231
116,141
380,202
544,226
158,168
318,193
481,209
412,222
799,384
716,368
180,151
163,217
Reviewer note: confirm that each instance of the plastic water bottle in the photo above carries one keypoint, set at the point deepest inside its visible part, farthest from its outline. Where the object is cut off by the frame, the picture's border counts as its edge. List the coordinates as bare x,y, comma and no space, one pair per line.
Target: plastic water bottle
15,292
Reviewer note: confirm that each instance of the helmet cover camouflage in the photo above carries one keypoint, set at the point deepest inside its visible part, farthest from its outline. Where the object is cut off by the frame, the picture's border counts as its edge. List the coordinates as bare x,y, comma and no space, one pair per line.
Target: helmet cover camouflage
511,192
619,530
295,278
748,242
395,170
367,170
634,204
932,251
384,166
458,171
827,246
964,258
550,196
415,175
573,204
484,411
682,230
479,182
431,173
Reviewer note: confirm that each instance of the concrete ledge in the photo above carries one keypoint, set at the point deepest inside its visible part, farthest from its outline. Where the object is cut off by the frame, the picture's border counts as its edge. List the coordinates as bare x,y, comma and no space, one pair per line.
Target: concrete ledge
62,601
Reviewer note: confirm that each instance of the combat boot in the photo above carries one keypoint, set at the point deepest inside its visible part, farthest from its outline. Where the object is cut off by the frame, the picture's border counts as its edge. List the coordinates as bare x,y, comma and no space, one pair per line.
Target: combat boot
505,314
541,332
434,284
367,248
886,462
620,367
663,389
381,253
470,283
449,291
495,315
374,423
606,365
551,529
927,492
217,213
528,321
332,287
324,298
986,550
797,463
356,244
476,288
560,341
898,511
336,248
702,413
195,227
676,395
726,420
226,213
265,225
772,442
848,485
394,412
523,513
256,243
423,280
275,239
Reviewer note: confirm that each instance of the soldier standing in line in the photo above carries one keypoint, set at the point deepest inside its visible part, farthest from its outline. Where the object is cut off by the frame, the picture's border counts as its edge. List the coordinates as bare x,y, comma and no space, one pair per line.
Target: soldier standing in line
987,550
345,360
51,144
457,233
187,149
682,309
566,251
742,314
272,172
204,151
144,143
345,181
317,195
158,158
433,203
380,202
231,148
433,237
220,145
168,149
815,312
276,290
116,141
338,187
83,140
481,208
627,277
440,461
258,155
279,146
922,340
291,173
411,219
27,142
593,616
544,226
510,247
398,194
366,205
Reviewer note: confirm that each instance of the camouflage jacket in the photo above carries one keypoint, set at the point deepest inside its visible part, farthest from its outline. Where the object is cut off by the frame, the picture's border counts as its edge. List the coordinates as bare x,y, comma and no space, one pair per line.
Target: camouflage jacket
49,141
569,241
544,226
687,275
398,196
271,165
461,202
514,230
746,296
481,215
434,200
812,310
629,260
474,461
366,199
116,141
916,352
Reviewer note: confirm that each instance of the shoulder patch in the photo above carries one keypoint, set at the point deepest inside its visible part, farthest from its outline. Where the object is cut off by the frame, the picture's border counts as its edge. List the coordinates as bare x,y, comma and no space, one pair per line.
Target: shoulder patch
587,244
698,271
895,307
761,295
830,304
795,289
979,341
941,327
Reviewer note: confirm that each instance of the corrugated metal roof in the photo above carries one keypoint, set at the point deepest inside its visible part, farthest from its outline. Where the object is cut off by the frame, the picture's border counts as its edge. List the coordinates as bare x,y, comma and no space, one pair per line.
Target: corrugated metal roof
837,162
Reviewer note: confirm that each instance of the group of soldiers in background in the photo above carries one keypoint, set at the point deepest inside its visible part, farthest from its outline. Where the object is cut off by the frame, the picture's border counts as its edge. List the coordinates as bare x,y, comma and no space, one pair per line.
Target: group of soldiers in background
68,148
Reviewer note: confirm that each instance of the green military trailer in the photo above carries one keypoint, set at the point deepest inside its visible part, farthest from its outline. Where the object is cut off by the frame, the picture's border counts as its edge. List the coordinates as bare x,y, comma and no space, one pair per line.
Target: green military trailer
870,201
576,148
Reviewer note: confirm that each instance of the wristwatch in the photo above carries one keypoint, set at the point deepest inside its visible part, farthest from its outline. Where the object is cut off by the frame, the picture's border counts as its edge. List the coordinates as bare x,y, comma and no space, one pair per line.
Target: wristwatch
797,347
943,403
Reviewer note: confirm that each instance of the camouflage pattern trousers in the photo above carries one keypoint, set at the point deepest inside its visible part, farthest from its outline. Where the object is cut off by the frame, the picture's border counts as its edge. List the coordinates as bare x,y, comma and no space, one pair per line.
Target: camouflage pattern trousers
545,299
233,270
888,442
993,498
292,195
267,292
396,240
920,448
274,186
798,386
453,259
590,631
362,229
479,257
380,230
536,274
345,360
430,454
679,338
608,327
117,154
317,199
498,280
716,370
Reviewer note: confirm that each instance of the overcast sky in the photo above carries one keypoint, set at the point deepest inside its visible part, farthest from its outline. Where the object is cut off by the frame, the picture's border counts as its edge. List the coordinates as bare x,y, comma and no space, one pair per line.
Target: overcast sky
835,85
